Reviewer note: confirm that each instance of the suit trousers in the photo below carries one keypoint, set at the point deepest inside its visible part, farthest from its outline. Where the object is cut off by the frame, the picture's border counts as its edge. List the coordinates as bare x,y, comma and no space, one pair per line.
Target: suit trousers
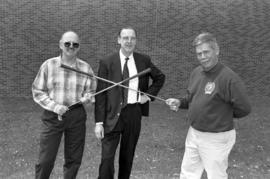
73,128
209,151
126,131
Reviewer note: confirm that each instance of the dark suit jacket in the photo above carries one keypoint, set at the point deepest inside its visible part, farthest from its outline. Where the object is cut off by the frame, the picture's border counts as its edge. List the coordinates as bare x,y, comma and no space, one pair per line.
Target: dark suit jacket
108,107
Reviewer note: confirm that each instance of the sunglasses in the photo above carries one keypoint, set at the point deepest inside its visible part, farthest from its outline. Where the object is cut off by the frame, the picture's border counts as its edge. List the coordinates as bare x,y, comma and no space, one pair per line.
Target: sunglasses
74,44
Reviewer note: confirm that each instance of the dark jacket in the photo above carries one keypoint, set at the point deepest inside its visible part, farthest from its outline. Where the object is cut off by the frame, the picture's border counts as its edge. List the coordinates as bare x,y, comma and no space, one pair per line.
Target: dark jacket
108,103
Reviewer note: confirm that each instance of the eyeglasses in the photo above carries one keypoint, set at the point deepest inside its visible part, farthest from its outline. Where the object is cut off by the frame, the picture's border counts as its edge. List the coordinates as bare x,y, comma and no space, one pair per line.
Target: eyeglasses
125,38
74,44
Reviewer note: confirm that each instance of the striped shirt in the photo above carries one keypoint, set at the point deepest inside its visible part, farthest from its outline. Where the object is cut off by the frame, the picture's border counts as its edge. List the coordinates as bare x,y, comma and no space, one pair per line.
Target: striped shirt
54,85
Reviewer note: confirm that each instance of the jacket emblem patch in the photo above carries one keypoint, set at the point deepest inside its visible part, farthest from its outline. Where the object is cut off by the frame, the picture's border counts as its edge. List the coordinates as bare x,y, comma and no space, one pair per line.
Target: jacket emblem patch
209,88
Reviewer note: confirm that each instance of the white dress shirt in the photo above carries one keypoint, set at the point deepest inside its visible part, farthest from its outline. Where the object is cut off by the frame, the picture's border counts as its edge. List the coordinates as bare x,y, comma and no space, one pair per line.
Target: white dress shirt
133,96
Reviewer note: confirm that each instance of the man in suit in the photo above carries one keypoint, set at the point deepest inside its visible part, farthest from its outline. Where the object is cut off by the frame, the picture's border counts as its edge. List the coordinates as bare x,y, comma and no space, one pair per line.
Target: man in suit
118,111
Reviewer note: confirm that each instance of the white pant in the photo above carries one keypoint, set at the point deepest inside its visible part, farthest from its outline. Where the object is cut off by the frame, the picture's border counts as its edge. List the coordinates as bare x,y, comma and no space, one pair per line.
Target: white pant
209,151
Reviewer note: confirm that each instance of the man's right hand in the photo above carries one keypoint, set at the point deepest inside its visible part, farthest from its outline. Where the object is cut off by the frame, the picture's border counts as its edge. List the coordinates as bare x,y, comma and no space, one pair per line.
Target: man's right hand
99,131
173,103
60,109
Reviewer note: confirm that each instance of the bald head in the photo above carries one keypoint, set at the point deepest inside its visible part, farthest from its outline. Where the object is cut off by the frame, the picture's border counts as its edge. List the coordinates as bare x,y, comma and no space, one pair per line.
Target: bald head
69,36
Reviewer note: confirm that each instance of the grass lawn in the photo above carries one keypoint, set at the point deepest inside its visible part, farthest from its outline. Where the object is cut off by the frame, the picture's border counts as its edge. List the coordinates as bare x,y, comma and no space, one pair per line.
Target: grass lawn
159,151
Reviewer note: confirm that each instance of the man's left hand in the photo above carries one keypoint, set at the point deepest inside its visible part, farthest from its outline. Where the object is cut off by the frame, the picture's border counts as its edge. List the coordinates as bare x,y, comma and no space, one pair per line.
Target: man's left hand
87,98
144,99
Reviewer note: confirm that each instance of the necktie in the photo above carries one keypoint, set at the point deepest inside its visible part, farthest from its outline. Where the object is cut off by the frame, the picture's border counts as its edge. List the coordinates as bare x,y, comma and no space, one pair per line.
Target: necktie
125,75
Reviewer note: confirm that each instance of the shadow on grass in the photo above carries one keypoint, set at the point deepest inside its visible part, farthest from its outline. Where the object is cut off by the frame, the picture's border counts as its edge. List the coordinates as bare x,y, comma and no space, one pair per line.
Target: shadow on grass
159,150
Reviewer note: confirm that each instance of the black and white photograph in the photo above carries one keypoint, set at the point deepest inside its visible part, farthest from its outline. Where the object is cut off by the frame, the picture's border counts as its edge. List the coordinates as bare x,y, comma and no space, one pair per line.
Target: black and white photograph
134,89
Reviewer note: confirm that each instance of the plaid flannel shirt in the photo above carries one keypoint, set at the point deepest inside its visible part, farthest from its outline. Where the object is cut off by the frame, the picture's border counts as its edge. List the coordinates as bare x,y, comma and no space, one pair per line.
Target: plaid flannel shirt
54,85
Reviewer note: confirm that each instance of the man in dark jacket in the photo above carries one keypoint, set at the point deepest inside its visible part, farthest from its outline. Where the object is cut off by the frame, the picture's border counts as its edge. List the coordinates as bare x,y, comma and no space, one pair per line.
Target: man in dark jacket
118,111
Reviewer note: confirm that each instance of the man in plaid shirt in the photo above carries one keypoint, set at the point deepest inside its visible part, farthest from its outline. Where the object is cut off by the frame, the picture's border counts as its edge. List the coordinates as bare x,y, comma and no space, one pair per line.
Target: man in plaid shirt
56,90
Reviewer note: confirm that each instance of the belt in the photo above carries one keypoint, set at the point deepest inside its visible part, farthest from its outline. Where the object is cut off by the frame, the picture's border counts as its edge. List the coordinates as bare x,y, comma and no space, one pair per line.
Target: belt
133,104
76,105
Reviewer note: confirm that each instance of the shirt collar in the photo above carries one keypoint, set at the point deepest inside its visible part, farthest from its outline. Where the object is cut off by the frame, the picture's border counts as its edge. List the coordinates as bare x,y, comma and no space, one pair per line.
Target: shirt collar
75,65
123,57
217,67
